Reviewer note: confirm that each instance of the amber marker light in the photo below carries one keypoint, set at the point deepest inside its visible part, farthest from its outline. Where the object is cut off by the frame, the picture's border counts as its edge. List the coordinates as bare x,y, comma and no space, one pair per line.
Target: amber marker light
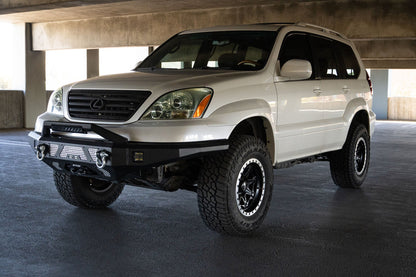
202,106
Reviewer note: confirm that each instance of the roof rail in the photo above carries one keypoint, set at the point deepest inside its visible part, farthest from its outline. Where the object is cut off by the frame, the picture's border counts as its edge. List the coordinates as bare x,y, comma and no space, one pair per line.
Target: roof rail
275,23
320,28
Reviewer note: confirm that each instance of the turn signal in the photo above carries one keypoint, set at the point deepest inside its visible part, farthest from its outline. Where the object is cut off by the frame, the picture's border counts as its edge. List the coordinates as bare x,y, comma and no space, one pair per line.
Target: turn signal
202,106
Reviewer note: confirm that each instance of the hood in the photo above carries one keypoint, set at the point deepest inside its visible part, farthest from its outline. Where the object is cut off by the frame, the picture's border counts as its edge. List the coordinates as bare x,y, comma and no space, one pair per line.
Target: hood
159,80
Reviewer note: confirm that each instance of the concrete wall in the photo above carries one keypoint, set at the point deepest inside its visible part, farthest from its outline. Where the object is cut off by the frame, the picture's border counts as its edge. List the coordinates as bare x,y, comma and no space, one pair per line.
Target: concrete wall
402,108
11,109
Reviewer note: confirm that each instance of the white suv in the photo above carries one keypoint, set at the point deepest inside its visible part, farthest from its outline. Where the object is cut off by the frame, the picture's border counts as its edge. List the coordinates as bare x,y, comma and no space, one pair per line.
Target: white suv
214,111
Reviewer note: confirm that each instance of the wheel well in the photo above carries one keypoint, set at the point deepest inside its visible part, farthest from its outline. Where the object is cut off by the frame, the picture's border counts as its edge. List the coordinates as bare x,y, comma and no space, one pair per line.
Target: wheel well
258,127
361,117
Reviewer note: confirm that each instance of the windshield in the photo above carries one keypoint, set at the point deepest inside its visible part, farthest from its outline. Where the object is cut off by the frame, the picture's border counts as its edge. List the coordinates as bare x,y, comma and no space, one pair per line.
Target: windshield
230,50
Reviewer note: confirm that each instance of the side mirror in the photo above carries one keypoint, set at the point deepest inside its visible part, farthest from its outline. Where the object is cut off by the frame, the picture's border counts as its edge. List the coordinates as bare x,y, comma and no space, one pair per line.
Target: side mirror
296,70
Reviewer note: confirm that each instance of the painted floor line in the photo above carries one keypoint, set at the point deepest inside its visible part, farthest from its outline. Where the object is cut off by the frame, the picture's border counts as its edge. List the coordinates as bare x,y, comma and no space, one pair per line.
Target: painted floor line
13,143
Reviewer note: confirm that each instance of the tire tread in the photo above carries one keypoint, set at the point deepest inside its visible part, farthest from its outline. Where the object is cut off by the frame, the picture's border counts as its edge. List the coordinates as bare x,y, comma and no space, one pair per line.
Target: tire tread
342,173
71,192
215,176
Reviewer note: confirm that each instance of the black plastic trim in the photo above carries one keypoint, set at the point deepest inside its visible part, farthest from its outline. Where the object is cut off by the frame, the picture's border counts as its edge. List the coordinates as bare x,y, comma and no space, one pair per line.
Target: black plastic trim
80,128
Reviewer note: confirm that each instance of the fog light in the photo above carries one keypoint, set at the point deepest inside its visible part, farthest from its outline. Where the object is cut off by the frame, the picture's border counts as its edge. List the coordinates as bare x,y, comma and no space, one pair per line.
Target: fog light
138,157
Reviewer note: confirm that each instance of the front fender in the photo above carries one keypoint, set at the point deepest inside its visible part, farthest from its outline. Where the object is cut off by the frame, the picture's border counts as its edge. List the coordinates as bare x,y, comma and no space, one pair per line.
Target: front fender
236,112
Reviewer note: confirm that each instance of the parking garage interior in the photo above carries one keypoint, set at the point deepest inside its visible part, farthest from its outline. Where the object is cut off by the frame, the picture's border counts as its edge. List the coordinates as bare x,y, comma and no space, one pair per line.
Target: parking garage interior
313,228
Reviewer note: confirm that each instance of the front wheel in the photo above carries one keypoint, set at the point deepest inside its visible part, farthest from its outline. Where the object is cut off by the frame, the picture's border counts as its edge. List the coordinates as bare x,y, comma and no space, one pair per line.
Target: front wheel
86,192
235,187
349,166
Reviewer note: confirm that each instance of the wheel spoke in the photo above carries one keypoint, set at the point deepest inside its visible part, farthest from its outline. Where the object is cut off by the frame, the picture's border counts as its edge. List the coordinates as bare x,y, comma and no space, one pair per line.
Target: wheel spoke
360,156
250,187
247,174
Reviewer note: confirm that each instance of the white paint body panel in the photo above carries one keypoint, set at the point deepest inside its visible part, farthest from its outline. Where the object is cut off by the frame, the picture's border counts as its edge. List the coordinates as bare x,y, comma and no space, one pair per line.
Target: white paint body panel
307,117
299,119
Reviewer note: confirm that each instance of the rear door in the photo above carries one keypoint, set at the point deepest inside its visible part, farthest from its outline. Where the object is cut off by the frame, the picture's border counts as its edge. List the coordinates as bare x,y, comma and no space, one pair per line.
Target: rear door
338,70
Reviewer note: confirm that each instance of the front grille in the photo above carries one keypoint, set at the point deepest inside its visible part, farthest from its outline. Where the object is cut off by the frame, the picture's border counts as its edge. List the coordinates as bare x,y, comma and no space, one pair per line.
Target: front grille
105,105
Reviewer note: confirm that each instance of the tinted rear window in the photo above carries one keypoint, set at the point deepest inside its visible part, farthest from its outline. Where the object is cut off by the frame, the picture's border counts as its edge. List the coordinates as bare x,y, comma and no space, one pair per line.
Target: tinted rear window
349,66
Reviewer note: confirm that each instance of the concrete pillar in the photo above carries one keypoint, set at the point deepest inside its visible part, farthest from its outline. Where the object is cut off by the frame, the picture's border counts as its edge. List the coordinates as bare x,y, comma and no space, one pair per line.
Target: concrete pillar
380,80
35,91
93,63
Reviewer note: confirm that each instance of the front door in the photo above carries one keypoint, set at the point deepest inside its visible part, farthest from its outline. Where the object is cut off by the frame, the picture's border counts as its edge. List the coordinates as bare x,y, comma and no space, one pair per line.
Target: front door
299,105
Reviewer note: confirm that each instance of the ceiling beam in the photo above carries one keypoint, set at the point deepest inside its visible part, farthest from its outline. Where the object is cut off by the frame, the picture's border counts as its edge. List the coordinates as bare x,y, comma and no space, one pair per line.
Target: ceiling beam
357,20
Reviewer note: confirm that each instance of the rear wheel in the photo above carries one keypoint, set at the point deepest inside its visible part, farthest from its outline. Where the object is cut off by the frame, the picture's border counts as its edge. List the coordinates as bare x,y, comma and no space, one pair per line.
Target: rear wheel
235,187
349,166
86,192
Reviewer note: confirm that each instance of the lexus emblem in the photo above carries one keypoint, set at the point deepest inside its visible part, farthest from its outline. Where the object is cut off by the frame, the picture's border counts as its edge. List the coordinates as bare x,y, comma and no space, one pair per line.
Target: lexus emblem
97,104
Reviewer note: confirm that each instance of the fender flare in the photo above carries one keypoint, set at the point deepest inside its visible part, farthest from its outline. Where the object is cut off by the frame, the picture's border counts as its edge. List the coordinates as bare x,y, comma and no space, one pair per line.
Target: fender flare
243,110
354,107
236,112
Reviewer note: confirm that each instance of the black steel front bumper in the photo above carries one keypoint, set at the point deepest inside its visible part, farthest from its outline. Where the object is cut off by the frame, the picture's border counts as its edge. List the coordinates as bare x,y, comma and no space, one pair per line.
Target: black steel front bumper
84,157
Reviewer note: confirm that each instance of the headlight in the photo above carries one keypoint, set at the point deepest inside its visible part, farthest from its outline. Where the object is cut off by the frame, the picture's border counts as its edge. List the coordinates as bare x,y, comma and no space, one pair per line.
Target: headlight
180,104
55,102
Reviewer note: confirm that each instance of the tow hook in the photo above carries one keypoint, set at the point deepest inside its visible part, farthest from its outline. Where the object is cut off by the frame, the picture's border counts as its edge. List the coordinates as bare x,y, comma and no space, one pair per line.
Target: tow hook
102,158
41,151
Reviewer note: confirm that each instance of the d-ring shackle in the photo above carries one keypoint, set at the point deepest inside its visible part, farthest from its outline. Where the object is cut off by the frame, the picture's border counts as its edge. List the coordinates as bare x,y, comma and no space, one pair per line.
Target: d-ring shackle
41,151
102,159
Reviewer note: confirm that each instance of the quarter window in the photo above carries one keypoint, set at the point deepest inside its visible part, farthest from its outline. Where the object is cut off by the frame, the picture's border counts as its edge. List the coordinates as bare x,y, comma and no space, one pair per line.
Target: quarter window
350,68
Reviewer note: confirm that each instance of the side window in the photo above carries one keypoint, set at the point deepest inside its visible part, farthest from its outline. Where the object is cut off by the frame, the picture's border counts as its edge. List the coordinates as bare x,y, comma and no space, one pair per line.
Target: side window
325,62
350,69
295,46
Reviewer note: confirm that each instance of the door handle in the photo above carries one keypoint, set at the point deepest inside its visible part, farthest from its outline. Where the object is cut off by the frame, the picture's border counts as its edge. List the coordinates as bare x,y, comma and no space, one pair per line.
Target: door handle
346,89
317,91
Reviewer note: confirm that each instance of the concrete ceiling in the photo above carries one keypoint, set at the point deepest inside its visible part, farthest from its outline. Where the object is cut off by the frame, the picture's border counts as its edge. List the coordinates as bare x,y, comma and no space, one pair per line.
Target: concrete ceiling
383,30
63,10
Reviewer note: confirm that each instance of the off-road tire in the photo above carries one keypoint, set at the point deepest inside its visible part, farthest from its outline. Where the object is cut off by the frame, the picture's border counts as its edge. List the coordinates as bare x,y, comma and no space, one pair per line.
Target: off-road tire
221,180
349,166
86,192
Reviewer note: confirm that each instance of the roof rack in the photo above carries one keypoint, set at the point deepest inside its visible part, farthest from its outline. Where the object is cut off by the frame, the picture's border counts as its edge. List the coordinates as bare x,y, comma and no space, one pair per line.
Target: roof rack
322,29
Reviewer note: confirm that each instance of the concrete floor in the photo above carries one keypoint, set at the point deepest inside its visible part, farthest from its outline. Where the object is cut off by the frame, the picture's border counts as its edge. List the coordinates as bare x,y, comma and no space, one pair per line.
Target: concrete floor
312,229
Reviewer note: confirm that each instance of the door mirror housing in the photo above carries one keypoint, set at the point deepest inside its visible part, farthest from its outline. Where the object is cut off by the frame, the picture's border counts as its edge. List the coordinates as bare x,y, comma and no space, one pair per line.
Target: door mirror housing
296,70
